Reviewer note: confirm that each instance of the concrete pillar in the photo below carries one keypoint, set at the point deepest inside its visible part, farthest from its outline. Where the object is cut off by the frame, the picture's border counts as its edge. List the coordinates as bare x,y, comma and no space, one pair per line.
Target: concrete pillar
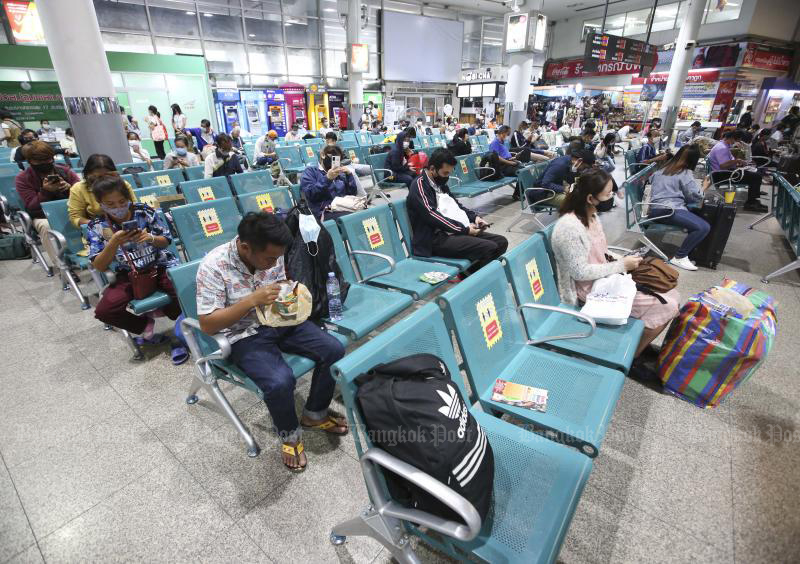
355,81
681,62
79,59
520,66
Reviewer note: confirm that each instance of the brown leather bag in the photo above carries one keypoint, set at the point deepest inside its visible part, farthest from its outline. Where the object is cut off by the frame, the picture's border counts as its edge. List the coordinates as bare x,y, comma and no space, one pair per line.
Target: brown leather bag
656,275
143,282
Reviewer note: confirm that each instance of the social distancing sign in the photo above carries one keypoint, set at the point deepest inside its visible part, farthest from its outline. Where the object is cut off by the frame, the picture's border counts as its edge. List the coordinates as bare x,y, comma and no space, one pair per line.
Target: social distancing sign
209,220
490,323
373,233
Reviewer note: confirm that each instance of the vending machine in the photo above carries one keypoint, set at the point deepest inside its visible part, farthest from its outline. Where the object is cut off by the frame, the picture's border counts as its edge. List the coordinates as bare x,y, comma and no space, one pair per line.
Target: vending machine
317,106
295,96
276,110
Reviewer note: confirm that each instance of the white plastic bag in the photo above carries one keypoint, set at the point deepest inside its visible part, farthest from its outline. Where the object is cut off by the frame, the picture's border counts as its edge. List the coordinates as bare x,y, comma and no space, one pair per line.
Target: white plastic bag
611,299
348,203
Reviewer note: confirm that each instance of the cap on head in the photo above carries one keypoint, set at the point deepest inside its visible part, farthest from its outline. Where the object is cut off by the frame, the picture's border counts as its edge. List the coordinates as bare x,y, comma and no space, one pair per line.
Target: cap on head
272,134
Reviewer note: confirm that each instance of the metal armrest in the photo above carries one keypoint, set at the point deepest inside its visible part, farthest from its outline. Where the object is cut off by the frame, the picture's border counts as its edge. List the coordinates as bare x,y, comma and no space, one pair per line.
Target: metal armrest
621,249
390,176
387,258
26,222
4,207
59,242
485,168
284,159
457,179
649,219
538,202
571,312
462,531
189,323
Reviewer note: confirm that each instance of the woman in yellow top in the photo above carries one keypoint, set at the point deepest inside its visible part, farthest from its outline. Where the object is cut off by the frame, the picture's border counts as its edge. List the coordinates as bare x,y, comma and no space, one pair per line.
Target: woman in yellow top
82,205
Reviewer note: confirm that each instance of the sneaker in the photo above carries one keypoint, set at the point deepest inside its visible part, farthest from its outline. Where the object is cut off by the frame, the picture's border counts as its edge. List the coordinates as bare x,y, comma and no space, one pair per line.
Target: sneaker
683,263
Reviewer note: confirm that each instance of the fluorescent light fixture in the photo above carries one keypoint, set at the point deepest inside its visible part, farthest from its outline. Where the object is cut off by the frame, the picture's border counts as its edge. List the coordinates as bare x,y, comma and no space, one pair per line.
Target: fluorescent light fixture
189,13
206,14
329,10
251,35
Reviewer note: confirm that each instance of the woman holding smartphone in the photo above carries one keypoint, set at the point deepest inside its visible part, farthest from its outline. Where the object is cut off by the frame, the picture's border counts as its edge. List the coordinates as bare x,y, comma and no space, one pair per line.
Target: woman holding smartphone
133,236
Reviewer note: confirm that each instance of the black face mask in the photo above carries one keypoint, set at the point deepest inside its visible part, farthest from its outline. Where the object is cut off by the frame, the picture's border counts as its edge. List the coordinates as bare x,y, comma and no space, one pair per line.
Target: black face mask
604,206
42,168
440,180
326,163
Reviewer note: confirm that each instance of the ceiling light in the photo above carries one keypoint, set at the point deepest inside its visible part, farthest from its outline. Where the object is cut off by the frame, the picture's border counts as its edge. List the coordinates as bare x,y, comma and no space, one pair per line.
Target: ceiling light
189,13
206,14
251,35
329,10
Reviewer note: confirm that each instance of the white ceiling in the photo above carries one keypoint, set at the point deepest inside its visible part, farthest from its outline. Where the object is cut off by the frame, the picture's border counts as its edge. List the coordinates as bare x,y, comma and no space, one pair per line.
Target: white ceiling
565,9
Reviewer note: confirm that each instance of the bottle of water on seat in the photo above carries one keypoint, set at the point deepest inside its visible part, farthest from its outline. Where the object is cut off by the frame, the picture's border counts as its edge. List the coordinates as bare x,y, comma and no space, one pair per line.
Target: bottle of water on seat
334,300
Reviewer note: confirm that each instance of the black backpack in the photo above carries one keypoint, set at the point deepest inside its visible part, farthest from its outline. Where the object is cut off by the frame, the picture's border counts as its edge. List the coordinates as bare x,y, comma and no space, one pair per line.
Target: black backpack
312,270
413,411
378,149
490,159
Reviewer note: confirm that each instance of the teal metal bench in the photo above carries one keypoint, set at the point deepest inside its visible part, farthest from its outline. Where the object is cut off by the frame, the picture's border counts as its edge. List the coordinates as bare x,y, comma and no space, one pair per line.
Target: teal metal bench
206,190
529,270
378,252
271,201
537,483
206,225
255,181
484,316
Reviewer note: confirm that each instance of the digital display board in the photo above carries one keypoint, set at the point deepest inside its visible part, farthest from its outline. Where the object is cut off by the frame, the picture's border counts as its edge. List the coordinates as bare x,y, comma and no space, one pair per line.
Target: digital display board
606,48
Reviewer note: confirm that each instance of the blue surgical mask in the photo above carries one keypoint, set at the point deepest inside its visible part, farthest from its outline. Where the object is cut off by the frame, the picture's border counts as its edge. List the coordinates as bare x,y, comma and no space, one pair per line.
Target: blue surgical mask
180,151
117,213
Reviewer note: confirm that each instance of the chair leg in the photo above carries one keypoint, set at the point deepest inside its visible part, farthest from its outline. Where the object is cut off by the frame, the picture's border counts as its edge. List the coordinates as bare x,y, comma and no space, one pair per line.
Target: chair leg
38,257
191,397
131,342
216,393
760,219
794,265
371,524
72,283
652,246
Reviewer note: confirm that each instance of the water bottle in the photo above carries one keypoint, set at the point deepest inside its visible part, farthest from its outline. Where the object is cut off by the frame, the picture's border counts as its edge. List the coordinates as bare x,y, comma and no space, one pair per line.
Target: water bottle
334,301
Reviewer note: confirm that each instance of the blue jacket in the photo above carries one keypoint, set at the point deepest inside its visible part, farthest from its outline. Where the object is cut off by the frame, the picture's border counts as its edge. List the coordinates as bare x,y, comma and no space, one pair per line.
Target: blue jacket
558,170
319,191
197,132
646,152
395,158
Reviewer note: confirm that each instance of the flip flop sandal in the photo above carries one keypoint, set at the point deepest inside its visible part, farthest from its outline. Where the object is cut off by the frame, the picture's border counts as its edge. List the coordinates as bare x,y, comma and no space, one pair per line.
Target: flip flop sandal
179,355
294,451
156,340
329,423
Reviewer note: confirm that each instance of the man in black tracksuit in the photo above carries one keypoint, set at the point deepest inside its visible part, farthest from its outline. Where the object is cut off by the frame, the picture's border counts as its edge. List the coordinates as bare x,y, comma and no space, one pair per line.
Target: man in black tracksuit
441,226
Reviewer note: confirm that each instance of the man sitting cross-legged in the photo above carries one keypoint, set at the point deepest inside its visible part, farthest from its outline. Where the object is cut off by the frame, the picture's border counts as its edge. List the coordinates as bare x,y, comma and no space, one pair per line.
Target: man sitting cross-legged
232,281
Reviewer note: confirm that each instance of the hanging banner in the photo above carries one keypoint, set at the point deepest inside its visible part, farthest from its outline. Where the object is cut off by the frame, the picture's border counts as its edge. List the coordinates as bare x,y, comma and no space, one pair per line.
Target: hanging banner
694,76
723,100
33,101
769,58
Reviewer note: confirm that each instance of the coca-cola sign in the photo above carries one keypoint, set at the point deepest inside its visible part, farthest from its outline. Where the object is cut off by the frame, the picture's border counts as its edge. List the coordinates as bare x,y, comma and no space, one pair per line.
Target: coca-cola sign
694,77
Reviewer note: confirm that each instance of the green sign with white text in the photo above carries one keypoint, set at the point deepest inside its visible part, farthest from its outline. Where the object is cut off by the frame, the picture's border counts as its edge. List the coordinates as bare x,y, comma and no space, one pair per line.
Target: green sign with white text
32,101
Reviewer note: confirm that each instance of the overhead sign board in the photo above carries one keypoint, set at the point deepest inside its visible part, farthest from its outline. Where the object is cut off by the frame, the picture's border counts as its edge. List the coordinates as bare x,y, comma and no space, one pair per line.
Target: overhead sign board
606,48
525,32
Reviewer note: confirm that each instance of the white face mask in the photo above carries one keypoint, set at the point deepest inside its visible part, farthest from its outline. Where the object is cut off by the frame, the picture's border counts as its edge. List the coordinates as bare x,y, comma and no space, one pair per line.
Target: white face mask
309,231
406,144
133,143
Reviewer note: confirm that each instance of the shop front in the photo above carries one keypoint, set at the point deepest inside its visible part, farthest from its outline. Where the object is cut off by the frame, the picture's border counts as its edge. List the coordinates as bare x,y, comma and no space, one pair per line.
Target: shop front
481,94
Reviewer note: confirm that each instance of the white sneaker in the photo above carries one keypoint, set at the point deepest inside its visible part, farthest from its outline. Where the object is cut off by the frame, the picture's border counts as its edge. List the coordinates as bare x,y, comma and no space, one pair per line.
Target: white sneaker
683,263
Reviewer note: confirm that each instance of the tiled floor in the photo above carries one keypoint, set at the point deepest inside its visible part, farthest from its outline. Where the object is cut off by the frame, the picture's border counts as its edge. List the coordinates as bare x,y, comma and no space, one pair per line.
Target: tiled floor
102,460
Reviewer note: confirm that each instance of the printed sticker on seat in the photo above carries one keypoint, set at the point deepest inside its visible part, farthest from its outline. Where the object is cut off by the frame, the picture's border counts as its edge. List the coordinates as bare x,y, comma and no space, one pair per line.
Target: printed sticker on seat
149,200
373,232
309,151
352,155
163,180
532,269
464,166
210,222
206,193
490,323
264,202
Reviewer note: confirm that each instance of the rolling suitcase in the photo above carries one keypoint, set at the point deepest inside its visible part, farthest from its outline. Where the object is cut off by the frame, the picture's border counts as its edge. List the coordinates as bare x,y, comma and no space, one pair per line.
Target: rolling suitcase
719,216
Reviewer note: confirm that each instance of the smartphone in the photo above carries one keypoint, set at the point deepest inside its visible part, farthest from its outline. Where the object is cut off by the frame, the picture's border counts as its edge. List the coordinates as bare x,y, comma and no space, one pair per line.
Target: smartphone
335,161
53,178
640,252
131,225
485,226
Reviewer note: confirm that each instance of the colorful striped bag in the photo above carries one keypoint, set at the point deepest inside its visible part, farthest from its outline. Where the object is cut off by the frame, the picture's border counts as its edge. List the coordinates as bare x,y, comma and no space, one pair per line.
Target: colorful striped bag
711,348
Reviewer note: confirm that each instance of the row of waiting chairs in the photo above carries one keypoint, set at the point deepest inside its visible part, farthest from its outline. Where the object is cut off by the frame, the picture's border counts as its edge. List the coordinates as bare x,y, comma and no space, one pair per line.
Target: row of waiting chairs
508,322
786,210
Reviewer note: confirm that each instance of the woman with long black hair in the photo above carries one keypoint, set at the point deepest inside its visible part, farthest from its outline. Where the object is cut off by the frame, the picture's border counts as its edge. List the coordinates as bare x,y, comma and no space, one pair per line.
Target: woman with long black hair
158,132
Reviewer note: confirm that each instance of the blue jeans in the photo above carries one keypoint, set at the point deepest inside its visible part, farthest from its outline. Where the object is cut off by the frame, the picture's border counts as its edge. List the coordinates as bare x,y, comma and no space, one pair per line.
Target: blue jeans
259,356
697,226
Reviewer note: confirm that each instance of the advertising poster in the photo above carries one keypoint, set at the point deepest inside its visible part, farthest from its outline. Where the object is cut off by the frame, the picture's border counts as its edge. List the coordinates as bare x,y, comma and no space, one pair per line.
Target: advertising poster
723,100
33,101
23,18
